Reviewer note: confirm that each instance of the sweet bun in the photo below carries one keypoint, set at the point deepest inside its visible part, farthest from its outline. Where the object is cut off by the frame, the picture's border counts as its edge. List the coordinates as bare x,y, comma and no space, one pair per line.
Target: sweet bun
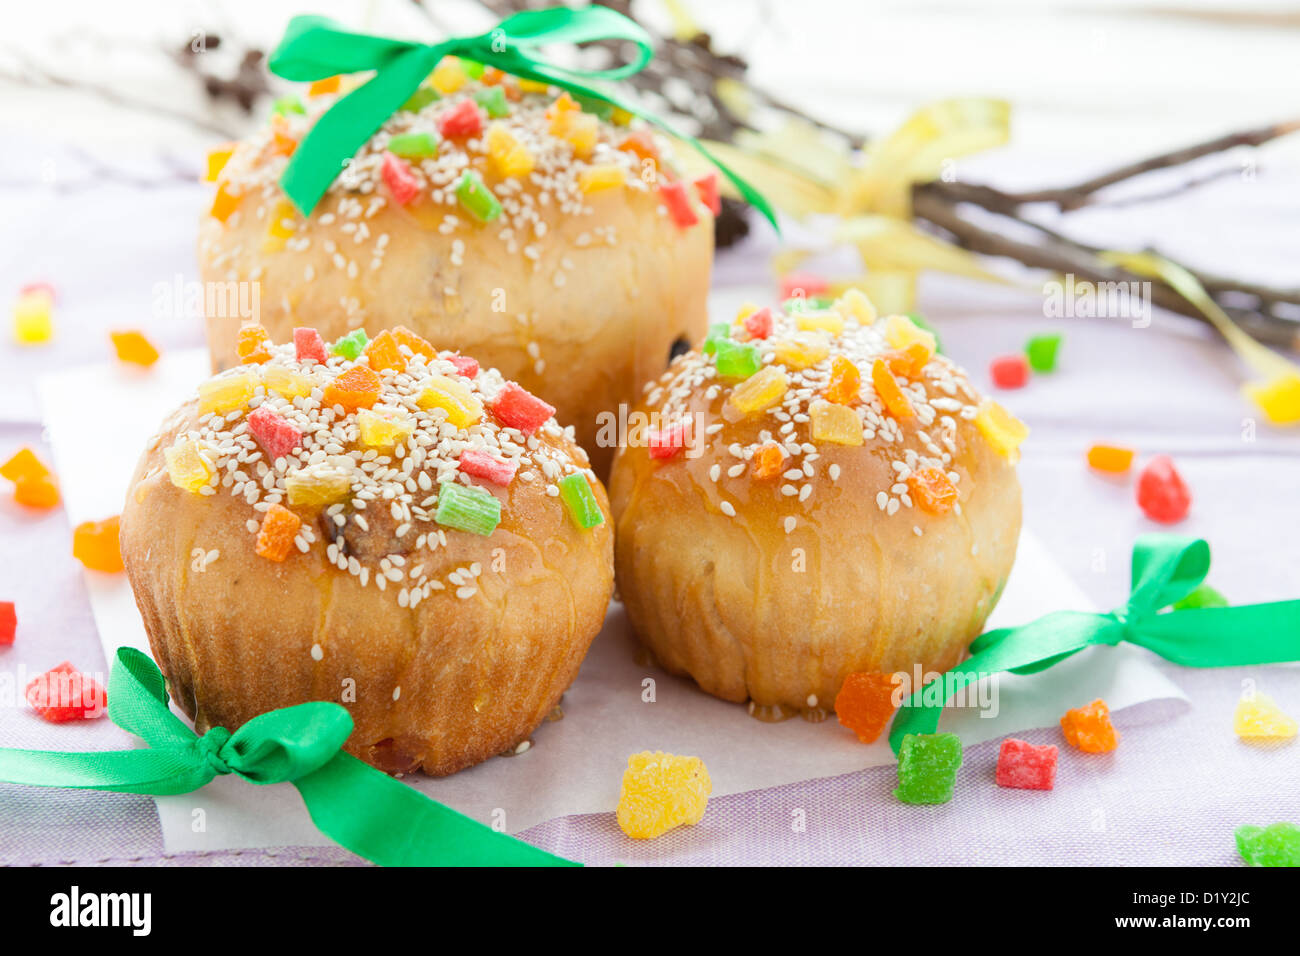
598,261
785,517
305,530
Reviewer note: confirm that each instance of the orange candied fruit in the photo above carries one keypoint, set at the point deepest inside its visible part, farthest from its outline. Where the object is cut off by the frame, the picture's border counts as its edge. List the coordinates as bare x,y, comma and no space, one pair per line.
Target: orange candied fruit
641,143
275,537
1111,458
358,387
224,203
865,703
932,490
845,383
417,344
22,465
328,85
251,345
891,394
282,141
1089,728
768,460
908,361
38,492
132,346
383,352
95,544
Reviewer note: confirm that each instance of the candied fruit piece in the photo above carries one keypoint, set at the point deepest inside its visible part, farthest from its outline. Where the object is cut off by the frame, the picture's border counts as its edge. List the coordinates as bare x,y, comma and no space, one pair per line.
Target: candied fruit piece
321,483
42,492
675,199
186,466
34,317
1009,371
802,285
417,344
1278,398
278,437
736,359
8,622
515,407
661,791
1026,766
224,203
421,98
580,500
760,391
63,693
1258,716
462,407
854,304
283,220
132,346
866,703
474,510
1161,492
382,353
889,391
358,387
1041,351
768,460
829,322
932,490
351,345
845,383
493,101
309,345
479,463
400,179
910,361
476,199
279,528
328,85
706,187
1111,458
217,159
579,130
462,121
95,544
464,364
802,350
420,145
602,177
837,424
449,75
718,332
226,393
286,382
665,442
758,323
927,768
24,464
641,143
251,345
1275,845
383,429
506,154
1001,429
901,331
1089,729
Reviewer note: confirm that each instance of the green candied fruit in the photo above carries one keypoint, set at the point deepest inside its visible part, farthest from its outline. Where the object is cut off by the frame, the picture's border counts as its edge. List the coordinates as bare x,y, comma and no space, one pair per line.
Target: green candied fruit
1041,351
421,98
413,145
467,509
576,493
813,303
1203,596
493,100
737,359
351,345
476,198
286,105
927,767
473,68
1276,845
718,332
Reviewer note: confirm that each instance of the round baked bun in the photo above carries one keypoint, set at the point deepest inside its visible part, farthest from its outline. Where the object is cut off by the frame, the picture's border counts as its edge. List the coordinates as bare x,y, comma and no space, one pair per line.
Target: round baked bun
304,530
577,289
815,523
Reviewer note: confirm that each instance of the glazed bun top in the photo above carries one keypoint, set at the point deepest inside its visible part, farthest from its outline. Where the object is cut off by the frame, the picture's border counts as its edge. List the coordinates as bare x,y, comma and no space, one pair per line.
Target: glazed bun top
465,151
816,401
382,448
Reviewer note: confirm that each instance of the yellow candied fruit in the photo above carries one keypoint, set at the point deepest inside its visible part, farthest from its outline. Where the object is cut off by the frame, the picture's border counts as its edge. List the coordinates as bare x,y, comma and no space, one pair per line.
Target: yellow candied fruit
854,304
462,408
744,312
620,117
1260,716
900,332
448,76
34,318
286,382
834,423
508,156
596,179
186,466
761,390
576,128
533,86
1001,429
662,791
383,429
217,160
820,322
323,483
802,350
1278,398
225,394
283,220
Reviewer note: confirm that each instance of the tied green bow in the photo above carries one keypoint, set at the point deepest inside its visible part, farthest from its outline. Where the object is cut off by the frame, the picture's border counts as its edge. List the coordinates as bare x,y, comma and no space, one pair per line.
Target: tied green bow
353,804
1166,569
314,48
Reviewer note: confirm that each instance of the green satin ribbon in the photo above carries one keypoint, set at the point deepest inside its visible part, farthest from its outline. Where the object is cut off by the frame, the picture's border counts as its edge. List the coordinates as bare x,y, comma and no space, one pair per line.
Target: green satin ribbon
314,48
1166,568
355,805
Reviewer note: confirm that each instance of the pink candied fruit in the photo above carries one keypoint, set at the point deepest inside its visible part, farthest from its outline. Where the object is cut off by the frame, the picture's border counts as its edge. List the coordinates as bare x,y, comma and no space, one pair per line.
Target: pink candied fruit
706,187
1026,766
273,432
463,120
464,364
8,622
518,408
483,464
400,179
309,345
1161,492
678,204
63,693
801,285
664,443
759,323
1010,371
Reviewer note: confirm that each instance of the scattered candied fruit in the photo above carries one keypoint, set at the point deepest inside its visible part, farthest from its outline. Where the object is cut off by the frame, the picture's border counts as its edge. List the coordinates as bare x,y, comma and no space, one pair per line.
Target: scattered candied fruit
516,407
1026,766
417,344
226,393
845,383
1259,716
358,387
186,466
462,407
901,331
932,490
866,703
278,437
1001,429
927,768
830,322
506,154
1274,845
322,483
1278,397
1009,371
602,177
132,346
286,382
42,492
8,622
768,460
308,345
837,424
854,304
890,392
276,536
34,316
1111,458
329,84
400,179
802,285
1161,492
662,791
758,323
706,187
1089,729
802,350
23,464
463,120
224,203
217,160
908,362
665,442
1041,352
479,463
678,203
382,352
760,391
95,544
63,693
383,429
252,345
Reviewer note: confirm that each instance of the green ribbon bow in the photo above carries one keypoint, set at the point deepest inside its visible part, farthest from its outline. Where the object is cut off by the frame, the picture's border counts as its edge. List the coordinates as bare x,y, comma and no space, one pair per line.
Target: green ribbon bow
1166,568
355,805
314,48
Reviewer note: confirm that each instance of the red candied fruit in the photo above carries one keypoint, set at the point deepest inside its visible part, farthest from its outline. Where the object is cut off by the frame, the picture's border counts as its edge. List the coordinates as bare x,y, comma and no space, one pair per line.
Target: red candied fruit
865,703
516,407
1161,492
277,436
400,179
8,622
464,364
758,324
678,204
63,693
706,187
1025,766
483,464
802,285
1010,371
665,442
309,345
463,120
